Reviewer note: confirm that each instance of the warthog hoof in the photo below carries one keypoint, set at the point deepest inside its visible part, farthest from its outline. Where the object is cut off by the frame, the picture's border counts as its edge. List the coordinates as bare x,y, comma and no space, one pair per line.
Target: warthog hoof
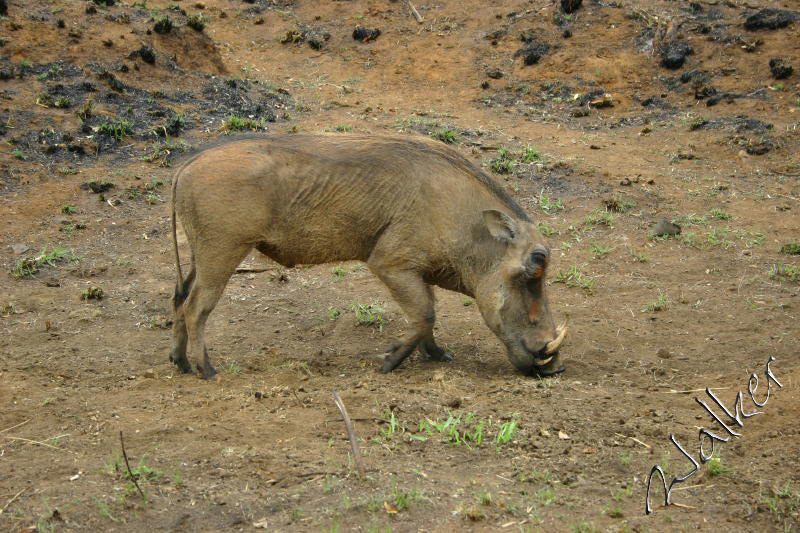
182,363
207,373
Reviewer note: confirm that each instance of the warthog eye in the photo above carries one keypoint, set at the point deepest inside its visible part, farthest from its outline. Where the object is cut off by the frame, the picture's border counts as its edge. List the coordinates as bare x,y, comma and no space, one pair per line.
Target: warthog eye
535,263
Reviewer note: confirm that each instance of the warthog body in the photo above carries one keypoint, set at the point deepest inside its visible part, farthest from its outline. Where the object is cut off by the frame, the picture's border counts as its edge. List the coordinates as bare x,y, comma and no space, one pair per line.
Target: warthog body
414,210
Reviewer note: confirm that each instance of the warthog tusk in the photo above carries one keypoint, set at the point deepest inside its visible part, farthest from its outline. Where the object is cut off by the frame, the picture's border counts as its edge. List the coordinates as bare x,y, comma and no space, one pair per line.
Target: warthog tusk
553,345
544,361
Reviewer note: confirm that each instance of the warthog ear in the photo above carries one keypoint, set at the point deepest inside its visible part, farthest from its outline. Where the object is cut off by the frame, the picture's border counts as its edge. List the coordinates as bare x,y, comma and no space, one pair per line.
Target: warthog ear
501,226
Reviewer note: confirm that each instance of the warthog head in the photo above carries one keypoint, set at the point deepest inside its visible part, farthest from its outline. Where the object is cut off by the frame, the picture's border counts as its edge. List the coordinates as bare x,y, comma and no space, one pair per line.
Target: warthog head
511,296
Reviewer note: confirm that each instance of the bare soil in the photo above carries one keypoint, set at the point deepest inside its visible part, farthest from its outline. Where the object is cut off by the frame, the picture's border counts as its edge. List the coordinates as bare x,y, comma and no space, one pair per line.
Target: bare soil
618,140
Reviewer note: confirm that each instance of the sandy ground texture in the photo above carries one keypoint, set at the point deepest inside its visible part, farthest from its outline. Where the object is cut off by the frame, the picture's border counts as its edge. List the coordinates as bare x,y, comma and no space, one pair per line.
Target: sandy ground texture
607,121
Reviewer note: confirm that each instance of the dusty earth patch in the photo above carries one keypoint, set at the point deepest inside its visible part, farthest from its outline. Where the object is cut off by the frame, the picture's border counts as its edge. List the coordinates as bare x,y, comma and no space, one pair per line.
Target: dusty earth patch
597,139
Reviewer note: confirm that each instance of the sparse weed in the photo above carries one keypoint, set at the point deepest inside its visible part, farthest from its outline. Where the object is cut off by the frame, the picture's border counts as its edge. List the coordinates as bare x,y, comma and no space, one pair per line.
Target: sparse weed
237,123
719,214
574,277
621,494
19,154
466,302
506,432
504,163
333,313
67,171
117,129
661,303
338,272
546,495
343,128
447,136
547,231
600,250
69,209
29,266
714,467
62,102
640,257
547,203
196,22
537,476
368,315
792,248
530,154
601,217
624,458
161,151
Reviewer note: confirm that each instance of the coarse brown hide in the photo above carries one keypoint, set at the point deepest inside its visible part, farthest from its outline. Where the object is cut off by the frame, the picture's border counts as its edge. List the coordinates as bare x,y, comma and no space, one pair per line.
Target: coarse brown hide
414,210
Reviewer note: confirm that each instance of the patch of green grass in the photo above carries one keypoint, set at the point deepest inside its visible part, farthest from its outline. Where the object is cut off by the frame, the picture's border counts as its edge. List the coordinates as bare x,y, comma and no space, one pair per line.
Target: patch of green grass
152,198
29,266
719,237
506,432
640,257
116,128
67,170
333,313
660,304
338,272
162,25
719,214
792,248
600,250
574,277
616,512
624,458
530,154
196,21
105,511
69,209
583,527
447,136
547,203
237,123
62,102
343,128
601,217
546,230
161,151
368,315
621,494
714,467
546,495
394,424
466,302
402,500
504,163
19,154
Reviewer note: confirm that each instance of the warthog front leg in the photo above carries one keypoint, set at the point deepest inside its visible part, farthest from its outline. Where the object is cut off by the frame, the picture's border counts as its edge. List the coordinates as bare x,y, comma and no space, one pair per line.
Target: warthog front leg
416,299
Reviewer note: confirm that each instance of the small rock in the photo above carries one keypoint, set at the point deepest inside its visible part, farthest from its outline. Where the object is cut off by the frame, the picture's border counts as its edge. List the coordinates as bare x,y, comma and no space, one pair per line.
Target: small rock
258,395
495,73
365,34
19,248
663,353
563,436
665,227
770,19
453,403
149,373
673,54
779,69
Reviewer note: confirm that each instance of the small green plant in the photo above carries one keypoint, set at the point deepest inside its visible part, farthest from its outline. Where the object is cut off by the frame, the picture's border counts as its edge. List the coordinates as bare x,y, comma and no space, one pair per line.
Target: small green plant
24,63
69,209
19,154
161,151
447,136
714,467
402,500
196,22
368,315
152,198
466,302
67,170
574,277
105,511
600,250
504,163
237,123
62,102
92,293
116,129
601,217
719,214
485,498
546,230
661,303
506,432
546,495
154,184
29,266
621,494
163,25
792,248
338,272
86,111
333,314
547,203
394,425
719,237
530,154
640,257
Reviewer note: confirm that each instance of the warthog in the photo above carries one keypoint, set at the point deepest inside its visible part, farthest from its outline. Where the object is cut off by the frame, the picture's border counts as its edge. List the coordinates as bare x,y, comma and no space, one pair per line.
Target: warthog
414,210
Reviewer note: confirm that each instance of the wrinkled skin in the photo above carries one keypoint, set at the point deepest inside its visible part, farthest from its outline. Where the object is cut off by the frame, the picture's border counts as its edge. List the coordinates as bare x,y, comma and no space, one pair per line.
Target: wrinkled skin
417,212
512,298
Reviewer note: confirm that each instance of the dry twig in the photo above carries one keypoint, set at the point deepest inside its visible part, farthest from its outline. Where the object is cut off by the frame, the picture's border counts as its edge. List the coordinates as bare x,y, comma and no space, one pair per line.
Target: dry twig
18,425
128,466
414,11
350,433
9,502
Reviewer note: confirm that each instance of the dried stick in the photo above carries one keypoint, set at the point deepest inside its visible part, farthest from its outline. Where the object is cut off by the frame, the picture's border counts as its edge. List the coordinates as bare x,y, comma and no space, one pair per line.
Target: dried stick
414,11
41,443
128,466
18,425
9,502
350,433
634,439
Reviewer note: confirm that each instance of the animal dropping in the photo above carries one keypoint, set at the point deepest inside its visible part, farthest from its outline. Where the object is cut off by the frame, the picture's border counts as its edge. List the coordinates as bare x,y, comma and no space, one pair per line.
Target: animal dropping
415,211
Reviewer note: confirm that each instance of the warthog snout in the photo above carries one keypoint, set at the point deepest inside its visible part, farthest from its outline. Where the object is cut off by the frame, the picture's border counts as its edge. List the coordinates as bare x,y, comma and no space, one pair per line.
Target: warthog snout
545,361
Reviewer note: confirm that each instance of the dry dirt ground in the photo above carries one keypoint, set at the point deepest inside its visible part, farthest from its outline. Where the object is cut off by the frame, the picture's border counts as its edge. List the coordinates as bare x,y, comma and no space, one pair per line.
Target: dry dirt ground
99,101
